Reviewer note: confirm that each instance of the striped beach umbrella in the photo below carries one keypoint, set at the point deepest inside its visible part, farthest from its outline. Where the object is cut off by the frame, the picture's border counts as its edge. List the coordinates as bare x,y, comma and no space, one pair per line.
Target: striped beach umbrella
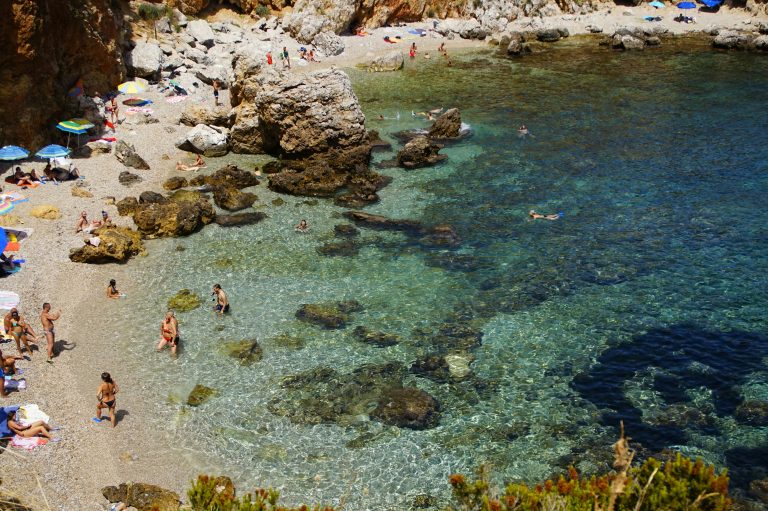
132,87
53,151
71,127
13,152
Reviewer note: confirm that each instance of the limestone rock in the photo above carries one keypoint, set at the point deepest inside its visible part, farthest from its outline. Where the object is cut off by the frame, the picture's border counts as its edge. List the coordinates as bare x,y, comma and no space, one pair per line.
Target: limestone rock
127,178
752,413
80,191
240,219
213,72
126,154
464,28
230,176
379,339
383,223
408,408
232,199
145,60
345,231
730,39
46,212
548,35
207,140
627,42
200,394
458,365
126,206
345,248
200,114
419,152
761,42
247,351
143,497
392,61
184,301
328,43
117,245
174,183
150,197
448,125
328,315
172,218
201,31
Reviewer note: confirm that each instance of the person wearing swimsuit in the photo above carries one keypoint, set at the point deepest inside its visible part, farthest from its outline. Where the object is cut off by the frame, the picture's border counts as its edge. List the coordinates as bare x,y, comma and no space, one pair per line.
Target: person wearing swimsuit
112,291
169,333
38,428
106,397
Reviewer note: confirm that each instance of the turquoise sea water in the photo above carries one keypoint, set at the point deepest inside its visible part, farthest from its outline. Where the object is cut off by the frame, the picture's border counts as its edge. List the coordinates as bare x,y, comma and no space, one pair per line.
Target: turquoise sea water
645,303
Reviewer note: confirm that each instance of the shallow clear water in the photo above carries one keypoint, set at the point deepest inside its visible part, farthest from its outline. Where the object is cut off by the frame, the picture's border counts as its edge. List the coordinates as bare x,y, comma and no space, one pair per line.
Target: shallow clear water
646,302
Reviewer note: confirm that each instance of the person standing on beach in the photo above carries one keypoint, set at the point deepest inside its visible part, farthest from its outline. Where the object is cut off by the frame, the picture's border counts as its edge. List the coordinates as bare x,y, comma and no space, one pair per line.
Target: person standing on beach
216,86
286,58
106,397
20,330
47,319
222,302
269,58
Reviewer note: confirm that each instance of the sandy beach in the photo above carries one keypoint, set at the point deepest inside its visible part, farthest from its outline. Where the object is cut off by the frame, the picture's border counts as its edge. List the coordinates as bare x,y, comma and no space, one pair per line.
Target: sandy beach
68,475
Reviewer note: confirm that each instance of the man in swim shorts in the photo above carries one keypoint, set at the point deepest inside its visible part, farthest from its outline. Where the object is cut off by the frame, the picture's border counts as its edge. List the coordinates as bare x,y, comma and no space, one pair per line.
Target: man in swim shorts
222,302
47,319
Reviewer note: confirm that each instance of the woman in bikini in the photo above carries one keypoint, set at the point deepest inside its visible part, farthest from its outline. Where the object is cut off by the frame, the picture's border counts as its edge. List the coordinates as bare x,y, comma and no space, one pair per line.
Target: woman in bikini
106,397
38,428
169,333
22,332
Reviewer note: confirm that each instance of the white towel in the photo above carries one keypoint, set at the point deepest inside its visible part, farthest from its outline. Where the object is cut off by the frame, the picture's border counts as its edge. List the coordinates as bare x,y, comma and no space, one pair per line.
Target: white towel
29,414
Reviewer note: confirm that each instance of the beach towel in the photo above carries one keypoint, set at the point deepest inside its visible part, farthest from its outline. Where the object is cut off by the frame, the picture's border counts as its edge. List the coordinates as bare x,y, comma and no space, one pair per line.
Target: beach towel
28,443
31,413
20,384
15,197
175,99
11,181
136,110
8,300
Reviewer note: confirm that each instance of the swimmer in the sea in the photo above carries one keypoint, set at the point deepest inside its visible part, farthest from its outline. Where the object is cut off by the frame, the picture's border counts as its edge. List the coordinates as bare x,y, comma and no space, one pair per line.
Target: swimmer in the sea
536,216
522,131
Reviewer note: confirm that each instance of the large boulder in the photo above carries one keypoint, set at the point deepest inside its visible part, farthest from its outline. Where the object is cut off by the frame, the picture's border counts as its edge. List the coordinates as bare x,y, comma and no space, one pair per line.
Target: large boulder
407,408
116,245
627,42
469,28
328,315
392,61
230,176
207,140
201,31
172,218
328,43
310,17
419,152
447,125
145,60
232,199
143,497
127,155
548,35
209,115
239,219
731,39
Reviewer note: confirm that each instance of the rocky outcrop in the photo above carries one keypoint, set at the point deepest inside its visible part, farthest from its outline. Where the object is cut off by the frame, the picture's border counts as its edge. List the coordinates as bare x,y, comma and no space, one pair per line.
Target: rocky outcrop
232,199
731,39
310,17
174,183
447,126
171,218
328,43
636,38
200,114
47,46
116,245
206,140
239,219
408,408
230,176
143,497
201,32
127,155
420,152
392,61
380,339
145,60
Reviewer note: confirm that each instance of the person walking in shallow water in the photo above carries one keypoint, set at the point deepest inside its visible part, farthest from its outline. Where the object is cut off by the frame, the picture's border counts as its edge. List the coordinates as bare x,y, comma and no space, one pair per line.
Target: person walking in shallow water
222,302
169,333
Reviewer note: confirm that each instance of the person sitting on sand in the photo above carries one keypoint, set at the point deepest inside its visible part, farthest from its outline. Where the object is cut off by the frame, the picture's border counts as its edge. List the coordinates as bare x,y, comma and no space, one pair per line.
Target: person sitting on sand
38,428
82,224
106,397
311,56
199,164
7,264
8,362
302,227
169,333
361,31
536,216
20,178
112,291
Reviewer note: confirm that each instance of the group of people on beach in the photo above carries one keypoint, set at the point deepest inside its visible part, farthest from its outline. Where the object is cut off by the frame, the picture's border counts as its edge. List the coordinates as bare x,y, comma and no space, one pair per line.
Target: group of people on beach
22,332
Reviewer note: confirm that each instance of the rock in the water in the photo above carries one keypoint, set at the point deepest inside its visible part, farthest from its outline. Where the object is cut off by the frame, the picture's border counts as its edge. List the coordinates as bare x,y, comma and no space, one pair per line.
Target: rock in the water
126,206
46,212
344,248
209,115
174,183
247,351
382,223
207,140
145,60
240,219
419,152
548,35
345,231
232,199
184,301
447,125
127,178
173,218
116,245
328,315
392,61
761,42
379,339
230,176
730,39
126,154
201,31
458,365
442,236
143,497
433,367
625,41
752,413
408,408
759,490
328,43
200,394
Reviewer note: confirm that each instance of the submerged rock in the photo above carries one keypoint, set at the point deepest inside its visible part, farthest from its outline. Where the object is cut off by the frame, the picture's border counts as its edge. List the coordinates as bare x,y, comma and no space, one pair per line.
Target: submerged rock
408,408
345,231
379,339
184,301
441,236
142,496
346,248
752,413
383,223
328,315
240,219
200,394
247,351
288,341
233,199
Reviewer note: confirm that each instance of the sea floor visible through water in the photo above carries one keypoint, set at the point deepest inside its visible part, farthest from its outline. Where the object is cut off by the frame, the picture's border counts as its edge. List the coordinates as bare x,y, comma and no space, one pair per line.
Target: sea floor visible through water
645,302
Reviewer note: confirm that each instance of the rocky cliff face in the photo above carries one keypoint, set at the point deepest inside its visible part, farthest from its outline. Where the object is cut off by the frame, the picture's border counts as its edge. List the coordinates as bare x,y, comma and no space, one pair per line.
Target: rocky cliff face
45,47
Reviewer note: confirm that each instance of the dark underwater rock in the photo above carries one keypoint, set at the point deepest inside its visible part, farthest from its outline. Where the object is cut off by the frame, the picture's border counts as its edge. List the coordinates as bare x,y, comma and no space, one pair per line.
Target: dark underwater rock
344,248
328,315
345,231
408,408
752,413
247,351
200,394
379,339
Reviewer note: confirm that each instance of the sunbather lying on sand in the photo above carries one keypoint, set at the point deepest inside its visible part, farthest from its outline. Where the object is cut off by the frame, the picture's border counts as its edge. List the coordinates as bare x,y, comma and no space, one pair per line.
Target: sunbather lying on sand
38,428
199,164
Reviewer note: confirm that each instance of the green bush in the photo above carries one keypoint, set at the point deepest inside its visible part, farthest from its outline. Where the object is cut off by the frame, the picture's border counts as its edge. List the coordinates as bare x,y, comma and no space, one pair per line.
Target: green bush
148,11
262,11
217,494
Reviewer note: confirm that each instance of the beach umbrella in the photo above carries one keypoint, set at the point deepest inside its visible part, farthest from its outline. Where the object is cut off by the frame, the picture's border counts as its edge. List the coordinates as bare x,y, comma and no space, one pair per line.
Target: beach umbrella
72,127
686,5
132,87
53,151
5,207
13,152
711,3
657,4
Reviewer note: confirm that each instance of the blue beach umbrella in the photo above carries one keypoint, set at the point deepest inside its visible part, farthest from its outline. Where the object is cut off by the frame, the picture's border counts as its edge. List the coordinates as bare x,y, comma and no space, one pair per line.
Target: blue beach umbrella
686,5
13,152
53,151
657,4
711,3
